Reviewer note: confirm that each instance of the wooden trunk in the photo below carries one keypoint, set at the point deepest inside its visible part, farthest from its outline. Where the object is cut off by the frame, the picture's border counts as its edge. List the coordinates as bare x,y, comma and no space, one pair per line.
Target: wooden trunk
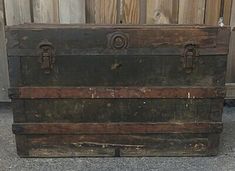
88,90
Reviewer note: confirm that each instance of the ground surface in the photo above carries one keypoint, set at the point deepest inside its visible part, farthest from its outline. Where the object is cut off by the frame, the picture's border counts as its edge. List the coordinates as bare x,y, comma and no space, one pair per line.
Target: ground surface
224,162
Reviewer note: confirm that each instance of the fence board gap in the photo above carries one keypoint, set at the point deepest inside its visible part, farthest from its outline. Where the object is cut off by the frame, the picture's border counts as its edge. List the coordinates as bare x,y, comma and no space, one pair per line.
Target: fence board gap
191,11
17,11
45,11
162,11
72,11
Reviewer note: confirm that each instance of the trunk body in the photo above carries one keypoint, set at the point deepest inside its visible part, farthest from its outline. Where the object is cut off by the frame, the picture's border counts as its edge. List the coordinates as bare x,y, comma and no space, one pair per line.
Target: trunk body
86,90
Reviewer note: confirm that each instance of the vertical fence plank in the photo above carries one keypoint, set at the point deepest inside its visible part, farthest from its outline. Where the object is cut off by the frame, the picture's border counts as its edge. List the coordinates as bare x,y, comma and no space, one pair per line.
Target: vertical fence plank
162,11
131,11
231,56
72,11
227,11
101,11
90,11
212,12
17,11
45,11
191,11
4,77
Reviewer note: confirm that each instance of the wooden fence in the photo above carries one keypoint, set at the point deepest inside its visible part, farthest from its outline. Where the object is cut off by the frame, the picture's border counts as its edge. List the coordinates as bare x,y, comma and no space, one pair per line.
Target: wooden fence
116,11
110,12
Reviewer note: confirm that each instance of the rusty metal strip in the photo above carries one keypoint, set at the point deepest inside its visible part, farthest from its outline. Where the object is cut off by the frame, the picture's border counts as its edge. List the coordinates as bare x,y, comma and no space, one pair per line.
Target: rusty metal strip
116,128
115,92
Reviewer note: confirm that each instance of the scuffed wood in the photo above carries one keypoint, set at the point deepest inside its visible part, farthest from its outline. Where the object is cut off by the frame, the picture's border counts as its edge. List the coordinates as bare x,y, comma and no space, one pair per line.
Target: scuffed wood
17,12
45,11
72,11
162,11
160,124
191,11
122,145
115,128
116,92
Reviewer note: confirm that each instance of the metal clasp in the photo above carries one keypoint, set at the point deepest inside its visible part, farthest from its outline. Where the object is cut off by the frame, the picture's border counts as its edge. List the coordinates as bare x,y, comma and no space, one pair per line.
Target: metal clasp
47,57
189,57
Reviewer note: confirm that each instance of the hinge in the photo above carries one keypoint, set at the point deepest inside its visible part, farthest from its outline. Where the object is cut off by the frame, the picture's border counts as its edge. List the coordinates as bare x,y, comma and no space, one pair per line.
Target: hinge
47,57
190,57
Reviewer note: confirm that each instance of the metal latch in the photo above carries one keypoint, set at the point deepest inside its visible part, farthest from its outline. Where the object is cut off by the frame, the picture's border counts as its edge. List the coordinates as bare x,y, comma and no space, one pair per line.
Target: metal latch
190,57
47,57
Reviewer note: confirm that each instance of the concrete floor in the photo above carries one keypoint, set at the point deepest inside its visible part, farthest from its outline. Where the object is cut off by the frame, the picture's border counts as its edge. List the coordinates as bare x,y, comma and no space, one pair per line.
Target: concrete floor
224,162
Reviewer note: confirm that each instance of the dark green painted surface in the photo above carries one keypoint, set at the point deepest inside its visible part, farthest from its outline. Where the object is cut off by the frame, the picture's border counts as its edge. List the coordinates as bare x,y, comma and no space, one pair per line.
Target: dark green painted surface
120,110
124,71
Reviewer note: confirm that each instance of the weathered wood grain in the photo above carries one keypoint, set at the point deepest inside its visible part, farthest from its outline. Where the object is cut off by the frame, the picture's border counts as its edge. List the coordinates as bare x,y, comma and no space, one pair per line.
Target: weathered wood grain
4,76
131,12
191,11
115,128
17,12
151,38
117,110
72,11
101,11
158,71
231,55
120,56
134,66
162,11
228,11
45,11
116,92
212,13
120,145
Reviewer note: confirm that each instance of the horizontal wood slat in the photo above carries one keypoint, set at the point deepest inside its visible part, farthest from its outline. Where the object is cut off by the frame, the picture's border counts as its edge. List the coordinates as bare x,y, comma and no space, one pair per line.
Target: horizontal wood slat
115,92
115,128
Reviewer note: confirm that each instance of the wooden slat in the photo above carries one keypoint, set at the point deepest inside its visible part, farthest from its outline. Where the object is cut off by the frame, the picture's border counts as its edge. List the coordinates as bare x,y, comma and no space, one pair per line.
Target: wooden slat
231,56
212,14
116,92
227,11
115,128
162,11
230,91
117,145
17,11
90,11
45,11
131,11
72,11
101,11
4,77
191,11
